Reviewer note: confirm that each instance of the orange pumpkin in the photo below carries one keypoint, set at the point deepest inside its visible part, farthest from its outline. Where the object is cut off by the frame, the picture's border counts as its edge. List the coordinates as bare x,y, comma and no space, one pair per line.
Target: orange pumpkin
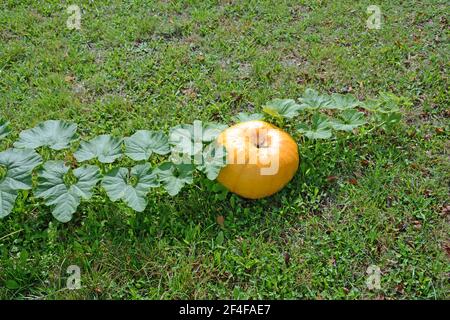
261,159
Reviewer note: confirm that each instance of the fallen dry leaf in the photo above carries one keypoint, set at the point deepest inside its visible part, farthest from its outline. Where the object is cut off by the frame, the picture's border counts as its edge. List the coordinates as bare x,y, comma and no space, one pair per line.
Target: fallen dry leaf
69,78
417,224
447,249
98,290
220,220
445,210
400,288
287,258
331,179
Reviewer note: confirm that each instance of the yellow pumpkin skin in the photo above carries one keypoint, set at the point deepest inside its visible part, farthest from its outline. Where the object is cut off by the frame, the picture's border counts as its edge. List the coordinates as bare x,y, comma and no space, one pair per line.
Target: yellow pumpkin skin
261,159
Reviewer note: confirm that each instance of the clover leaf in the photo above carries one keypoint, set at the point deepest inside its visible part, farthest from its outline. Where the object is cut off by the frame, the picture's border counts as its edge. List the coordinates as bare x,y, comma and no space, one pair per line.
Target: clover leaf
62,193
173,177
142,144
56,134
4,128
104,147
311,99
319,129
350,119
244,117
16,166
286,108
130,185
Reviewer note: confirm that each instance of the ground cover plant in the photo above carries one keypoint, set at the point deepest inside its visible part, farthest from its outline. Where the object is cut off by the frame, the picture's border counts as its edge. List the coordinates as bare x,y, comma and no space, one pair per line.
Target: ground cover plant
368,108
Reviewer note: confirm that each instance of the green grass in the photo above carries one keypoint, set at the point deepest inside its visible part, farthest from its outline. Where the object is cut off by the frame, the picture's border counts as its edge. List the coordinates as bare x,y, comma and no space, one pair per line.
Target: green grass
152,65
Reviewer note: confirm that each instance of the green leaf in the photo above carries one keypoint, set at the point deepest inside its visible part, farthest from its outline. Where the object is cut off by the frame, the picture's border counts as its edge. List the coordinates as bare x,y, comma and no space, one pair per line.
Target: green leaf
388,107
371,105
218,187
174,177
244,117
388,120
64,196
343,102
55,134
4,128
131,186
286,108
19,163
87,177
212,130
390,102
105,148
214,159
17,166
187,138
12,284
143,143
220,190
311,99
319,129
220,238
350,119
387,103
7,199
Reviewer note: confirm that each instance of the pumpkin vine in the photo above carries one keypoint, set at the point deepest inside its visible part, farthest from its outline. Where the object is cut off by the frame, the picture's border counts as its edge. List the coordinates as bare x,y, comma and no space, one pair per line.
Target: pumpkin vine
63,186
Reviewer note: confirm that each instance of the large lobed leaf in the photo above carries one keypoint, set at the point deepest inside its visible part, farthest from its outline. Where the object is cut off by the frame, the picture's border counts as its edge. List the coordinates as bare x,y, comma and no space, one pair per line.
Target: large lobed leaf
18,165
188,139
213,160
244,117
56,134
343,102
311,99
5,130
174,177
7,200
211,131
104,147
64,197
320,128
142,144
388,120
131,186
349,120
286,108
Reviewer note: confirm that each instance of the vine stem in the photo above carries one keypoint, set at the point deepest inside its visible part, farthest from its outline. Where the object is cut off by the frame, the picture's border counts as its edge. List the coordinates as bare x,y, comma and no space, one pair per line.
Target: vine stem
375,127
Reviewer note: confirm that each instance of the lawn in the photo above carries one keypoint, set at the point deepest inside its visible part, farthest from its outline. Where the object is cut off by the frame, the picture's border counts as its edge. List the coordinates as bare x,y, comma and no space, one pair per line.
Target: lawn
375,199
